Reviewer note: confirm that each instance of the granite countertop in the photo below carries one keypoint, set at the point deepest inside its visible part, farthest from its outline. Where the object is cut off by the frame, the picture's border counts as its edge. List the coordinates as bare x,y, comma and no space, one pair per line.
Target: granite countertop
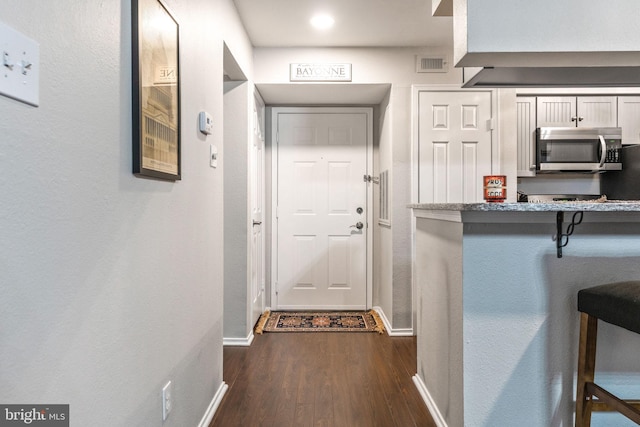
589,206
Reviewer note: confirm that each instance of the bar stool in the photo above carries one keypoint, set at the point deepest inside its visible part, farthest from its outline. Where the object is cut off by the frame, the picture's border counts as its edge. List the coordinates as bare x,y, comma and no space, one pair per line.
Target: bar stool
618,304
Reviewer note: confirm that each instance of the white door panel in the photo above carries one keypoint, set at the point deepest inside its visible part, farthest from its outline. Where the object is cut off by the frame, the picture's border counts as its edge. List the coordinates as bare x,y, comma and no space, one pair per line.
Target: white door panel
454,146
556,111
629,118
322,258
597,111
256,159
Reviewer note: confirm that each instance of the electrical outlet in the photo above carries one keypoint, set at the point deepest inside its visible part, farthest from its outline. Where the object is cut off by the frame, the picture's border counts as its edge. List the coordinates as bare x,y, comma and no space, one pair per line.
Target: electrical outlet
167,400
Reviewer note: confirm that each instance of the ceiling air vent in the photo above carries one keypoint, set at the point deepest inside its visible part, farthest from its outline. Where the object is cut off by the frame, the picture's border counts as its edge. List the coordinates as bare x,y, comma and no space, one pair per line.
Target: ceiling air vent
431,64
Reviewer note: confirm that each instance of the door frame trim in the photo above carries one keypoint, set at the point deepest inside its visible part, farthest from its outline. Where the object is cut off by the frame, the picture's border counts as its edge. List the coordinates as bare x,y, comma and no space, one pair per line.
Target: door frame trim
368,112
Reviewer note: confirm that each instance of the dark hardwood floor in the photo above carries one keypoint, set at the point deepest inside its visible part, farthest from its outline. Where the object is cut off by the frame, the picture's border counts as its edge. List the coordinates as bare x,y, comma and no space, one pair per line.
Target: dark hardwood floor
322,379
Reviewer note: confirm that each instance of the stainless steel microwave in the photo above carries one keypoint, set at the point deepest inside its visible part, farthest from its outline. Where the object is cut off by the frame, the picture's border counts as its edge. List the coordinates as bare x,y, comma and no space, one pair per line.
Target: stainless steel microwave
578,149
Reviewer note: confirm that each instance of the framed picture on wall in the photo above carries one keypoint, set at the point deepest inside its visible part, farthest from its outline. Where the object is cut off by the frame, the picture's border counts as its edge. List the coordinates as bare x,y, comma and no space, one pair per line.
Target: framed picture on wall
156,91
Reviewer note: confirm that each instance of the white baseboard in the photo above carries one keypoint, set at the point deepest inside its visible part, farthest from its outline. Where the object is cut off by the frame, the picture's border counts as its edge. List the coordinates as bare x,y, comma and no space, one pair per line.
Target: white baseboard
213,406
398,332
401,332
428,400
238,342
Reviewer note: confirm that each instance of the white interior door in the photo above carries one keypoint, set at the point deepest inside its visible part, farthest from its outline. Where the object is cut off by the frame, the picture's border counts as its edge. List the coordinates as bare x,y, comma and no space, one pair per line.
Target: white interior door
321,210
454,136
256,159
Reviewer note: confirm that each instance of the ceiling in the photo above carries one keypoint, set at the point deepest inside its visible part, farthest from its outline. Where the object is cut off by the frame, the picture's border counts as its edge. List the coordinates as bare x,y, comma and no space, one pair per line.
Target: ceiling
358,23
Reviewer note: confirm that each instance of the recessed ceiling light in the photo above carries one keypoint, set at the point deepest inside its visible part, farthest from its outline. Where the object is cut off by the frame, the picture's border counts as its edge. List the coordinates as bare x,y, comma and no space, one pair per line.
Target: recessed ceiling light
322,21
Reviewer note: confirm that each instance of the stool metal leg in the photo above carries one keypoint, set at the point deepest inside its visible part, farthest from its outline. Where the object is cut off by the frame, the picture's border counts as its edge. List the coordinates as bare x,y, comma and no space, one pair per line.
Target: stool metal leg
586,368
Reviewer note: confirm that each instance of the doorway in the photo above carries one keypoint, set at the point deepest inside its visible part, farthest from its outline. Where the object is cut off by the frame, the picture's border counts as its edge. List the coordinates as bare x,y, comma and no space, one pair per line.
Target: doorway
242,163
321,221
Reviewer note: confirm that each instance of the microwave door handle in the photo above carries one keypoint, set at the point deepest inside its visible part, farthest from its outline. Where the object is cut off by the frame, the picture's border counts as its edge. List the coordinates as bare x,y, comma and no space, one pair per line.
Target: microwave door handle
604,151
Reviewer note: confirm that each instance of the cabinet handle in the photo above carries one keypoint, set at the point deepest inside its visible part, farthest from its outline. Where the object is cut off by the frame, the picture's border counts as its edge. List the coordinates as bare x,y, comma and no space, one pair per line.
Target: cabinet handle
580,119
573,119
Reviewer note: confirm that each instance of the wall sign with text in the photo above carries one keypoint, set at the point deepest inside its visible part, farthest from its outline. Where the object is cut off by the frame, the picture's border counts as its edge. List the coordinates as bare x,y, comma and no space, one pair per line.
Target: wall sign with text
319,72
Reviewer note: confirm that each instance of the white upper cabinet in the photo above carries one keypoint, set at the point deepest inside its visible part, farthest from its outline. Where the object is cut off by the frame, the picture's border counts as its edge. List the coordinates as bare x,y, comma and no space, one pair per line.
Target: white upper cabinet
526,135
581,111
597,111
557,111
629,118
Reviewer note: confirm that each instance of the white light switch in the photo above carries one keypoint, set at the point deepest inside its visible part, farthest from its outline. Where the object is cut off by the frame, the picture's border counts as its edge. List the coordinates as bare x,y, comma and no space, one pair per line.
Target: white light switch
19,66
213,156
167,400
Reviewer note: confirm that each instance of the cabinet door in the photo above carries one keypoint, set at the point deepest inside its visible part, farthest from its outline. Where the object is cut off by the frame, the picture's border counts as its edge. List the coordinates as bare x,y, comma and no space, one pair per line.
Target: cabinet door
597,111
556,111
629,118
454,144
526,135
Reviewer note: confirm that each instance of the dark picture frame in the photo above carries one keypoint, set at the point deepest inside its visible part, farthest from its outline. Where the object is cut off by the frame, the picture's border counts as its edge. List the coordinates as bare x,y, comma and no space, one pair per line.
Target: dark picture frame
156,91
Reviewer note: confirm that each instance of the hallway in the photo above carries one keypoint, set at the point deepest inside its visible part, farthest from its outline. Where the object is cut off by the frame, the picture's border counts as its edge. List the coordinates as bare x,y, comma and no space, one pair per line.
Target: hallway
322,379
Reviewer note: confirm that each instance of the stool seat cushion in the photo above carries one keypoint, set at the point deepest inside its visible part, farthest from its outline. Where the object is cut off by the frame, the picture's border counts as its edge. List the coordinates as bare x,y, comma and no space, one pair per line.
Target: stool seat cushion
615,303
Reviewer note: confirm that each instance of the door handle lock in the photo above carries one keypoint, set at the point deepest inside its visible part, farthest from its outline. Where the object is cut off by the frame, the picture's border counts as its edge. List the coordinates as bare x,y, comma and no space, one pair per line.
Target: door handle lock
359,225
374,179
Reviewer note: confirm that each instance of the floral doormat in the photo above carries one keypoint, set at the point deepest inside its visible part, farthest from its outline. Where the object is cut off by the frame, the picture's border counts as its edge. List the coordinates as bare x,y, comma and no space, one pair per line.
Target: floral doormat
326,321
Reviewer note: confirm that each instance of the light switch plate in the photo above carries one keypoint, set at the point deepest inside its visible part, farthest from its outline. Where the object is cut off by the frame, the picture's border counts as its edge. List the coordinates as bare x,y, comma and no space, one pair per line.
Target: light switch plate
19,66
167,400
213,156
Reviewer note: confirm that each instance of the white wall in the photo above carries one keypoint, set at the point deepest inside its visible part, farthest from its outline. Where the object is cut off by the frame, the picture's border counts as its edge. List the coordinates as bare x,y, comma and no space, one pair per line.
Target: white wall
236,210
546,33
383,235
438,271
498,320
377,65
495,26
527,338
112,284
400,252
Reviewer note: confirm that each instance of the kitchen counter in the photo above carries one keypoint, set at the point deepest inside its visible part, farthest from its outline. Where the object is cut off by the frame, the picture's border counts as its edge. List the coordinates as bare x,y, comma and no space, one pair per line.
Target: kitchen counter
497,324
608,206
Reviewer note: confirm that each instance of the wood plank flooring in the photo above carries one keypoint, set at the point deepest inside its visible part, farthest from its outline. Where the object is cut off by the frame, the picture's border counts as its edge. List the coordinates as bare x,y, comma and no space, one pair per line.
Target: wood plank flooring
322,379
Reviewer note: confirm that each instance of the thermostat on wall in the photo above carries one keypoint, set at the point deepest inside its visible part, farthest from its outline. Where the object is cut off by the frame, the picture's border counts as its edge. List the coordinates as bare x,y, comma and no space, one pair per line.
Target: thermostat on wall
206,123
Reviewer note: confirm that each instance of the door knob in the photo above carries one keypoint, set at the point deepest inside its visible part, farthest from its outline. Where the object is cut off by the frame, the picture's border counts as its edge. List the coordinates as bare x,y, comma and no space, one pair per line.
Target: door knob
359,225
360,210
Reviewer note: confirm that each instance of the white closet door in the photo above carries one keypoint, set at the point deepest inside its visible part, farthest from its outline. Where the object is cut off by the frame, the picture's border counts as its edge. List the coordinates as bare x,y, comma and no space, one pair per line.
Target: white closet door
454,146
